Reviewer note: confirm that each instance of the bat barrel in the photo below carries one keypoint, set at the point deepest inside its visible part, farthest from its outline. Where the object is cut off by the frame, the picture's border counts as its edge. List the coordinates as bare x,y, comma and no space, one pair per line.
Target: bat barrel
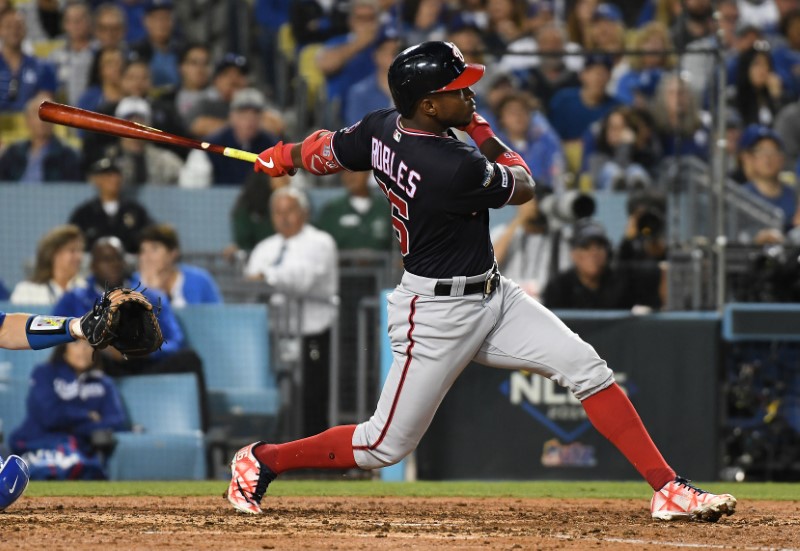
106,124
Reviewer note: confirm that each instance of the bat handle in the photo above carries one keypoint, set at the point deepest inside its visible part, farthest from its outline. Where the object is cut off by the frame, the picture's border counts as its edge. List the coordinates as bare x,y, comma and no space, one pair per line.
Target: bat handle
239,154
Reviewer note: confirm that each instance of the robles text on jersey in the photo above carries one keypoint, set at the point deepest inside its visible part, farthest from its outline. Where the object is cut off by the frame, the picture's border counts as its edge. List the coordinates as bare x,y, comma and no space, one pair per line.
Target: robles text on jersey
383,160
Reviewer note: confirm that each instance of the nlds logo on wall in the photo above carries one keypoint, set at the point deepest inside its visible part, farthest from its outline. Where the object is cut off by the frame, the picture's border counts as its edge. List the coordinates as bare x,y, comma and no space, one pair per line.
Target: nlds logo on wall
558,411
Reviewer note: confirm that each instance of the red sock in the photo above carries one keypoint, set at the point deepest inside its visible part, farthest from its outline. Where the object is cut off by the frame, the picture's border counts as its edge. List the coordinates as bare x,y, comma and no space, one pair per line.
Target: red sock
613,415
332,449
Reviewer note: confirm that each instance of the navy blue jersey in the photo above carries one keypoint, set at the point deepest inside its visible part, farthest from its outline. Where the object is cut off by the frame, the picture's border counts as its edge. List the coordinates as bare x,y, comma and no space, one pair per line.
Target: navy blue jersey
440,190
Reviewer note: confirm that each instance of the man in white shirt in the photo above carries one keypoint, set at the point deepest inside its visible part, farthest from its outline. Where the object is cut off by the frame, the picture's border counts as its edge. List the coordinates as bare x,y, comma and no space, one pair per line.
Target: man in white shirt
301,262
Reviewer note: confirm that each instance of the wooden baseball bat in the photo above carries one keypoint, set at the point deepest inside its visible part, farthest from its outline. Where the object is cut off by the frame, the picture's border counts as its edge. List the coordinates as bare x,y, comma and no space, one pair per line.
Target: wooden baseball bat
97,122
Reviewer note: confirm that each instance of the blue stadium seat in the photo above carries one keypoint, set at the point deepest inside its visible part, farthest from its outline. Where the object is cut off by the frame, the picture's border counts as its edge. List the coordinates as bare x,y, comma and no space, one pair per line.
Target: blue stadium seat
233,342
13,395
170,446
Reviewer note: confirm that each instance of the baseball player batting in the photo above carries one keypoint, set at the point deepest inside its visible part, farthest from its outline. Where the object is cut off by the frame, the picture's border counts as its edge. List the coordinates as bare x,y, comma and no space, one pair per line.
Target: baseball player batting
451,306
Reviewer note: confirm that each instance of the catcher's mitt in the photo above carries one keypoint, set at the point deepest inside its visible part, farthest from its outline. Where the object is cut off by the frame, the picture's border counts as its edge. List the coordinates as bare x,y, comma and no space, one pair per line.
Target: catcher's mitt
123,318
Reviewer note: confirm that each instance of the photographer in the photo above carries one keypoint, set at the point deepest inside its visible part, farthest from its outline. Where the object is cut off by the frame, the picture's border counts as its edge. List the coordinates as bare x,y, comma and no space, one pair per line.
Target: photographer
528,251
644,241
593,284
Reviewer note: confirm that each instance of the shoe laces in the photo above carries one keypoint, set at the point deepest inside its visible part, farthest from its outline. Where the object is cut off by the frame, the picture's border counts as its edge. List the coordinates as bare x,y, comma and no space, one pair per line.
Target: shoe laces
688,484
265,476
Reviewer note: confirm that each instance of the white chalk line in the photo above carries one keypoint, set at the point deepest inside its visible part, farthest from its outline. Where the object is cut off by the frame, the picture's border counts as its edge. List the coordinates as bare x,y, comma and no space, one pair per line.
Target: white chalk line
633,541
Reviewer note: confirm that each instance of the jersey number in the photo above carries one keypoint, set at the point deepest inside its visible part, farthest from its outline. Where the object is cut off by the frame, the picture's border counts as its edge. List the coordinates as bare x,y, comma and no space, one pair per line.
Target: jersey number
399,213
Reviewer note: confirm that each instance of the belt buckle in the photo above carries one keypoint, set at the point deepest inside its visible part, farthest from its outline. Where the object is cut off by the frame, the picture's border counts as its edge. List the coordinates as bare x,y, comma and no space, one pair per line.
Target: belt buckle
492,281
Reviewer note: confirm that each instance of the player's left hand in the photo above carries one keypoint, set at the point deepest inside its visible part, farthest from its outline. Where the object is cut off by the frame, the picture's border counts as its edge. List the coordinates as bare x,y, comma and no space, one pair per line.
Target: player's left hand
478,129
272,161
476,121
123,318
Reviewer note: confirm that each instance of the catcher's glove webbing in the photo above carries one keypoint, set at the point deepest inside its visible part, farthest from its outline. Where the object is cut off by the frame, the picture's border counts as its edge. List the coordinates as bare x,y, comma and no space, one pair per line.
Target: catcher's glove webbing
123,318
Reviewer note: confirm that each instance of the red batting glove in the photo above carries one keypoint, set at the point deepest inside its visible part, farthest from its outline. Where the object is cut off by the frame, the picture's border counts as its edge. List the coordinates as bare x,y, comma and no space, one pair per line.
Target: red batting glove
478,129
276,160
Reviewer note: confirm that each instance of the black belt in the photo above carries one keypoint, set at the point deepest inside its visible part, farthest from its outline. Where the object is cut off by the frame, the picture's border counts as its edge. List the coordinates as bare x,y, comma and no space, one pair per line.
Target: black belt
487,286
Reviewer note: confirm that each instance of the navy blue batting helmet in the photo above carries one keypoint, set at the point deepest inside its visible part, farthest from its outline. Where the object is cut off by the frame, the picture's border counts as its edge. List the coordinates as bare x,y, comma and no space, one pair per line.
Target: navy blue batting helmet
427,68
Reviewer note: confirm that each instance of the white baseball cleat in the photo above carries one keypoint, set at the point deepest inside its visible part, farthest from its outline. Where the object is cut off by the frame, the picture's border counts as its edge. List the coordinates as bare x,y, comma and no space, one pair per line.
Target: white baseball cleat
680,500
249,481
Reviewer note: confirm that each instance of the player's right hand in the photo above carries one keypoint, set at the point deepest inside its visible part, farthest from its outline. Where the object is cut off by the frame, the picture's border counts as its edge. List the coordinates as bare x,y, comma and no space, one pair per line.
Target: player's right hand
271,161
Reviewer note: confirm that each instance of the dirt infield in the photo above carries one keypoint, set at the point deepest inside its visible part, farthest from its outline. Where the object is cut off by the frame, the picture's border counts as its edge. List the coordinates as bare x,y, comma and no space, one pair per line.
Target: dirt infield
382,524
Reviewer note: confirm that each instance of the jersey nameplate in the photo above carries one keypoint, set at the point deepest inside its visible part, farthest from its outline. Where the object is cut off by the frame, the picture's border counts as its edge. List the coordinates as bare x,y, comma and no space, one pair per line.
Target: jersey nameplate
383,160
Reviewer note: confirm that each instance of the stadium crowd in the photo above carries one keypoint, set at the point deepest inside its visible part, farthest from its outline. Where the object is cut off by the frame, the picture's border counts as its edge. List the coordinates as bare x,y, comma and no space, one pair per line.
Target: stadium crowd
595,96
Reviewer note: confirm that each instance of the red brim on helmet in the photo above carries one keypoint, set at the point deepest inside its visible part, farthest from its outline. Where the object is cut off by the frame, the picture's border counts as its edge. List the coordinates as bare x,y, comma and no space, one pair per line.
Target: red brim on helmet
470,76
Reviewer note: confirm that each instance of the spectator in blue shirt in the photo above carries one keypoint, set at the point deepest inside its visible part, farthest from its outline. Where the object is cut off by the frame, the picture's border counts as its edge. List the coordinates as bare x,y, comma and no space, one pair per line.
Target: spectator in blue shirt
105,83
70,400
109,270
762,151
525,129
573,110
347,59
160,48
21,76
620,151
638,85
160,269
373,92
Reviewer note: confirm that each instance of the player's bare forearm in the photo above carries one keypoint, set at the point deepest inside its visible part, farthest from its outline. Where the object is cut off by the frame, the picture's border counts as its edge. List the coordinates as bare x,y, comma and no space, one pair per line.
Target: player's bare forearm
523,186
493,148
12,332
297,155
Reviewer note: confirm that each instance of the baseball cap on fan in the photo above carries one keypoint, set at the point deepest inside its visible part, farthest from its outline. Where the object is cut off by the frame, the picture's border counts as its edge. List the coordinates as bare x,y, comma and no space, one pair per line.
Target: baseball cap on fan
131,106
153,5
104,164
248,98
232,60
607,12
586,232
754,133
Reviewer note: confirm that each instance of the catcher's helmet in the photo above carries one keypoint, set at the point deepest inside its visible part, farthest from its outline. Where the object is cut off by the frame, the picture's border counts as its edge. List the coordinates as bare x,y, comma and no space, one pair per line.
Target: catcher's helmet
426,68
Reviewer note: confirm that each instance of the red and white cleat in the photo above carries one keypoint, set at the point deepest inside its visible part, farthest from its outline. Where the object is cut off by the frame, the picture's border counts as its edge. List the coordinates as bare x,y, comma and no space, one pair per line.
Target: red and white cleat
249,481
679,500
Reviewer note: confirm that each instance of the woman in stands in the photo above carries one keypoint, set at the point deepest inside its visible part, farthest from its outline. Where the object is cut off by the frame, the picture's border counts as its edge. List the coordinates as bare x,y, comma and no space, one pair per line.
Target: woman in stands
72,408
59,257
159,268
105,85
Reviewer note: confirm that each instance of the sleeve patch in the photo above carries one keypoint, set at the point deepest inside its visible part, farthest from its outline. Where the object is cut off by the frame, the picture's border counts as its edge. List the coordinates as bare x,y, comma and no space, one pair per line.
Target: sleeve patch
488,173
47,324
504,174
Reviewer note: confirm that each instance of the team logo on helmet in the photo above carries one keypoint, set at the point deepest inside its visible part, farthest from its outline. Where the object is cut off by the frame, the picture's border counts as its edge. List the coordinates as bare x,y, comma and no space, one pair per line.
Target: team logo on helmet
457,52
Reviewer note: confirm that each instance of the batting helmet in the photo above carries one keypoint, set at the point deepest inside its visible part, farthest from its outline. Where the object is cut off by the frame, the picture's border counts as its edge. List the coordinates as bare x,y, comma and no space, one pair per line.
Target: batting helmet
427,68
